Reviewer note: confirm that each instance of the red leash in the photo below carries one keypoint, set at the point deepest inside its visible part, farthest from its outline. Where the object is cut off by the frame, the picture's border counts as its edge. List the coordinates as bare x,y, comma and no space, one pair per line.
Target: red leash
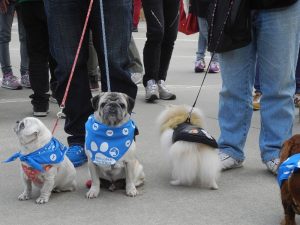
62,105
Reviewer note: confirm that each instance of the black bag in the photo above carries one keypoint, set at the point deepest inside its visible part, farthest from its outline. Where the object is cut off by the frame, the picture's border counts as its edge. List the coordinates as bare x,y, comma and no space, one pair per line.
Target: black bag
236,33
271,4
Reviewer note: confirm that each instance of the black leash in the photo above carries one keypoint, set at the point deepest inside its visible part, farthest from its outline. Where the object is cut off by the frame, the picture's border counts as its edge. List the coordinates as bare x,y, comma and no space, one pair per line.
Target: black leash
214,52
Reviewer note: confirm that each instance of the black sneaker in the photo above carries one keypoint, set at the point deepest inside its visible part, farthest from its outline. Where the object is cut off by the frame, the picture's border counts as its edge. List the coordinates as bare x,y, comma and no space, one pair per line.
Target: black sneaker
40,111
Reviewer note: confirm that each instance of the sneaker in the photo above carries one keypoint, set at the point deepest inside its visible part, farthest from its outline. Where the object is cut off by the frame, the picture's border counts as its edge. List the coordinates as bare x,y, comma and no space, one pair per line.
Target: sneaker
77,155
163,91
151,91
227,162
199,66
136,78
214,67
25,80
256,101
52,99
297,100
10,81
40,111
272,165
94,84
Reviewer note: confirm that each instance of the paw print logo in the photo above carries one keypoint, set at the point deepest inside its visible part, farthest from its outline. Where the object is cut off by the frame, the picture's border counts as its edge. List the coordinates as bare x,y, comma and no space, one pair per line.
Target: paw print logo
114,152
53,157
95,126
125,131
109,133
127,143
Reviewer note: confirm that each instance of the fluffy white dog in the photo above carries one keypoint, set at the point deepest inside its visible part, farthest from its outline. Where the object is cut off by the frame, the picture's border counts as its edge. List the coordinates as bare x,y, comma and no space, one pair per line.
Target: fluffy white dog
43,161
191,162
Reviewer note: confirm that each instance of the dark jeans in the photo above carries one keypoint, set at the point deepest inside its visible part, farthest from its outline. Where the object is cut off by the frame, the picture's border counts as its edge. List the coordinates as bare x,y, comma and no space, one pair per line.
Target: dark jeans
65,23
162,18
35,23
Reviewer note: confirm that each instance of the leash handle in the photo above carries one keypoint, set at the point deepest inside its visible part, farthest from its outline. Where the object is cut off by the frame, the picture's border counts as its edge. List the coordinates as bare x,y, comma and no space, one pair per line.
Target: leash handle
213,53
63,103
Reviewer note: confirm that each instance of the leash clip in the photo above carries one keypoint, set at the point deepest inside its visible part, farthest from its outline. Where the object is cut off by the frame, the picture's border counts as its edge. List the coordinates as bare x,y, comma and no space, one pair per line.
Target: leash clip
60,114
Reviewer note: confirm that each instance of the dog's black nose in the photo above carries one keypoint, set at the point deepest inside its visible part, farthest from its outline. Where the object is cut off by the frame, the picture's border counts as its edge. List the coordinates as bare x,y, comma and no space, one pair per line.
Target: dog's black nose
18,121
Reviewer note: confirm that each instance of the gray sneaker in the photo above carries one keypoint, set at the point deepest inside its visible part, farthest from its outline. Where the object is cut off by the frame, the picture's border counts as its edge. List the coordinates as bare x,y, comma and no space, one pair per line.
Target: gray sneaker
272,165
25,80
151,91
163,91
10,81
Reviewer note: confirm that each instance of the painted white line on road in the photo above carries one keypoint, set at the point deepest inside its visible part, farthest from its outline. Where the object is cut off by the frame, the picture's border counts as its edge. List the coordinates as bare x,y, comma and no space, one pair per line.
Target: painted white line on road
178,39
14,100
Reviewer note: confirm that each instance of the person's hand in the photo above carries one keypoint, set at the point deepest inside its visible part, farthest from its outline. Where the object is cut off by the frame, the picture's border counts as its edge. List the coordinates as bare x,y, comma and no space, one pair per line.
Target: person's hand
3,6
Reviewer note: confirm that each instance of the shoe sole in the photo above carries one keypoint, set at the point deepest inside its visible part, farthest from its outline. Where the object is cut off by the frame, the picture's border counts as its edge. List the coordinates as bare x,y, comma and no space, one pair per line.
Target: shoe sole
152,98
40,114
170,98
199,70
11,88
25,86
211,71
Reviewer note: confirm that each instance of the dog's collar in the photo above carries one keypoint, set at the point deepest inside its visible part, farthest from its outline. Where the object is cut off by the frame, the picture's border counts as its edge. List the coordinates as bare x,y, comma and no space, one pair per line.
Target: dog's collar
286,168
106,145
52,153
188,132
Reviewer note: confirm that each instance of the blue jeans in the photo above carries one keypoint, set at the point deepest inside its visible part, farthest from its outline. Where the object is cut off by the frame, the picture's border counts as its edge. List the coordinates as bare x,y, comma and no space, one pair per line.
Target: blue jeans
297,91
202,40
65,23
6,21
275,45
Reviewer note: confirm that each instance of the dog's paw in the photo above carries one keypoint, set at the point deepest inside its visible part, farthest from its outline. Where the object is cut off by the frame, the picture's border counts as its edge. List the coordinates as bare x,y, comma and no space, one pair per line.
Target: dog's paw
131,191
24,196
42,200
92,193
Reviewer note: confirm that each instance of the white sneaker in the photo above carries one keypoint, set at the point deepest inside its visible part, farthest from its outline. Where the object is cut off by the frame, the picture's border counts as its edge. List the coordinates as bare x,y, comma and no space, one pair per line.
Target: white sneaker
151,91
227,162
272,165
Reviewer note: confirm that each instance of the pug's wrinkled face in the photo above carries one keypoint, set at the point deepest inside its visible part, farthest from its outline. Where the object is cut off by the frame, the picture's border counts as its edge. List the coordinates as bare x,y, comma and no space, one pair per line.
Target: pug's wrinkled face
112,108
27,130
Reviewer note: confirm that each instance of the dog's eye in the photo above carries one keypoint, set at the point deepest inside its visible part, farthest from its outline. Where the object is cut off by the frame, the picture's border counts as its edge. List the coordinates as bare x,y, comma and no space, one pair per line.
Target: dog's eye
102,105
122,105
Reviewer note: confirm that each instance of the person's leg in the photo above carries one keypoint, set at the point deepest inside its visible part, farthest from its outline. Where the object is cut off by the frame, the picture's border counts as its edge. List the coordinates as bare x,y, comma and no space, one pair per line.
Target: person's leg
153,10
136,14
23,50
35,24
171,18
65,23
135,66
118,23
277,76
235,104
202,42
92,65
9,80
298,75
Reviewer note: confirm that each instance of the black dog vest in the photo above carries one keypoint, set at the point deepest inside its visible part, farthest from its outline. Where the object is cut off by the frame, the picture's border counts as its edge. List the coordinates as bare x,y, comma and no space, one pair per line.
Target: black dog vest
190,133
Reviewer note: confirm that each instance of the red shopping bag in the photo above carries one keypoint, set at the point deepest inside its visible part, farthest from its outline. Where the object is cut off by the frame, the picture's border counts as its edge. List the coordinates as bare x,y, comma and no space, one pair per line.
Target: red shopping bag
187,24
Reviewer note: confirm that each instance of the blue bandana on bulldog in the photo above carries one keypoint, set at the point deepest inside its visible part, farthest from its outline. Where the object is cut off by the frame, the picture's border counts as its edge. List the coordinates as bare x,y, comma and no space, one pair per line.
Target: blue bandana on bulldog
106,145
51,153
288,167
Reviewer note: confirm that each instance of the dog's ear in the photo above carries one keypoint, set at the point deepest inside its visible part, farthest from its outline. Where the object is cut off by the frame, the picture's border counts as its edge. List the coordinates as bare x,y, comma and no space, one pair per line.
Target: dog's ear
95,102
130,103
286,150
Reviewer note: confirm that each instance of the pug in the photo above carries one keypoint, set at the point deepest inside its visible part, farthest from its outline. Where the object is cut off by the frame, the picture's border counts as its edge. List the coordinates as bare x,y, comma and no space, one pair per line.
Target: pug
43,161
110,145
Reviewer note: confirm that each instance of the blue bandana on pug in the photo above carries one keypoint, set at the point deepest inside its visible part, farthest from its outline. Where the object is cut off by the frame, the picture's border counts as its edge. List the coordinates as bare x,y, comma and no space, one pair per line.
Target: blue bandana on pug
106,145
52,153
289,166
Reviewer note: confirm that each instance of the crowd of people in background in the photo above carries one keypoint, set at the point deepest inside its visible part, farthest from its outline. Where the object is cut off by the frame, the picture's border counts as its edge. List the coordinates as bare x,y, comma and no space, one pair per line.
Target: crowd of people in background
50,30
